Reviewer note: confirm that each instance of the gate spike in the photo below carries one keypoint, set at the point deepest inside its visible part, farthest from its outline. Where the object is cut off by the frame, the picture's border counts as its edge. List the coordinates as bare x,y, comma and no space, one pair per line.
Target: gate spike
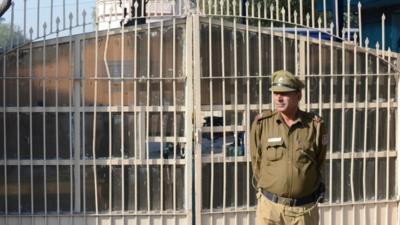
31,32
359,22
289,10
366,42
319,21
355,38
383,31
247,8
343,33
84,16
70,20
58,24
295,16
174,8
283,12
271,10
234,7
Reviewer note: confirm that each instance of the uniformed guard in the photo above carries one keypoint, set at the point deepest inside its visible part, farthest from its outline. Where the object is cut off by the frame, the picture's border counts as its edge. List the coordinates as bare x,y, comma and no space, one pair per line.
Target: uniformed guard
288,148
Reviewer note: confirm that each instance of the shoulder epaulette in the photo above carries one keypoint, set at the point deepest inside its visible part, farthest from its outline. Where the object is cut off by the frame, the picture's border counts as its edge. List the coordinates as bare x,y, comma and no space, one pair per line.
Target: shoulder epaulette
264,115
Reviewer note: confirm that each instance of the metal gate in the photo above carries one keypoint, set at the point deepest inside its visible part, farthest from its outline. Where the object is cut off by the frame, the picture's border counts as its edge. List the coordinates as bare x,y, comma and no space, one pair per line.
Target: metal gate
142,117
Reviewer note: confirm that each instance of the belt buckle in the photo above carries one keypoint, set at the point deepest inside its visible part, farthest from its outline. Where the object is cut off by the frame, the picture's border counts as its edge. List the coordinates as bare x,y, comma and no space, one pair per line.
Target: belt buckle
275,198
287,201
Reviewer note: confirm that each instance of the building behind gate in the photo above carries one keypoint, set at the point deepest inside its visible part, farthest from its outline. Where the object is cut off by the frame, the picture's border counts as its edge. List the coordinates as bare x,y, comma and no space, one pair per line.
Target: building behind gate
142,116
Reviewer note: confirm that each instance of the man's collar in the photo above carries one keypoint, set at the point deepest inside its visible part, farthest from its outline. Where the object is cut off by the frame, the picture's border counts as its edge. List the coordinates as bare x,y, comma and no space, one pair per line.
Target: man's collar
300,118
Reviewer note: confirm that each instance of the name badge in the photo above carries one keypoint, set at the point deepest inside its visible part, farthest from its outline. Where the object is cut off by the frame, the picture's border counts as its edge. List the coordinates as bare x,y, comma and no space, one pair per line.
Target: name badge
274,139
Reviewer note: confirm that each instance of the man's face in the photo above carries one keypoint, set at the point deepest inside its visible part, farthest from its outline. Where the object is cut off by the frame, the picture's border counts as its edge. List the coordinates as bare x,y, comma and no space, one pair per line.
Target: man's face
286,102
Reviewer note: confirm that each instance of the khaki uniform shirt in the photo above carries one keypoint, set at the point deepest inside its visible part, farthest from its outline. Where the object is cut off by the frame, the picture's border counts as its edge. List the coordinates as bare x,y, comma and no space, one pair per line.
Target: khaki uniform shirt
287,161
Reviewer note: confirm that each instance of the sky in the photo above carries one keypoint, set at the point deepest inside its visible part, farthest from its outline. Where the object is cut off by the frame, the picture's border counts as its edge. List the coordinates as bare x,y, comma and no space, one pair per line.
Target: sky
49,10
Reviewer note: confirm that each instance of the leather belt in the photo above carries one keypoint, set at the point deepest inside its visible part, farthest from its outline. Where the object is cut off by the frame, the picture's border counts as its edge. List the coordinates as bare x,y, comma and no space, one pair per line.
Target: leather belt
316,196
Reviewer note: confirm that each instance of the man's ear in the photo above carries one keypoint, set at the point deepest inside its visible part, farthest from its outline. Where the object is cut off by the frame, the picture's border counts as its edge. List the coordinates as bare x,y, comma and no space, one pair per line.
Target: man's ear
299,95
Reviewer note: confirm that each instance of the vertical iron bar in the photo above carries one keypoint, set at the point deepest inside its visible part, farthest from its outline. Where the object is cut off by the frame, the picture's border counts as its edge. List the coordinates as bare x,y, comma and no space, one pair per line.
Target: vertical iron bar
272,52
308,62
189,127
71,156
135,113
96,69
348,20
51,16
57,109
147,118
174,195
360,23
110,120
83,116
44,77
30,120
383,34
377,130
210,48
388,133
161,113
224,150
259,59
236,137
25,20
248,124
342,135
337,18
353,127
301,12
296,52
122,122
284,38
319,68
17,77
198,118
397,116
313,13
289,11
324,12
64,15
365,126
11,33
331,122
5,137
37,23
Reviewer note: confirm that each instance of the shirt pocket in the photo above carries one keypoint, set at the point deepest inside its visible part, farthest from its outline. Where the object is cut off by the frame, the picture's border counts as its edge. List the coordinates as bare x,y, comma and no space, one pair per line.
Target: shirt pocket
274,151
305,153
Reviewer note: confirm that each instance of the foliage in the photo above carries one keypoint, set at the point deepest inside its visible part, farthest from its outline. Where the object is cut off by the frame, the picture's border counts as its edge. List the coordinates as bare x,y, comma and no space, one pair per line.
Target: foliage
10,37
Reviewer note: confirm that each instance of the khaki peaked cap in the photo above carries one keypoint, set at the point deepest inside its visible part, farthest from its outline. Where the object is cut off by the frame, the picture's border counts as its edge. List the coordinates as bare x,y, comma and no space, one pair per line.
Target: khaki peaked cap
284,81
